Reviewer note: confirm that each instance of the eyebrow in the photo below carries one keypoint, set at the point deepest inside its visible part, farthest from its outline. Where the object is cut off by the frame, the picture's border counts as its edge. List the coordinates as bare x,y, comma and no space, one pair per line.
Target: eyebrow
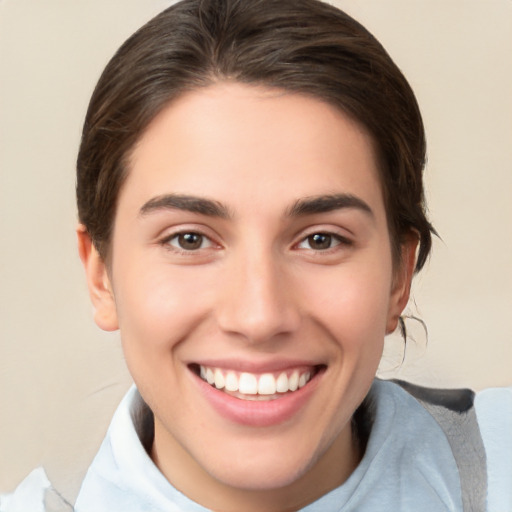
328,203
211,208
188,203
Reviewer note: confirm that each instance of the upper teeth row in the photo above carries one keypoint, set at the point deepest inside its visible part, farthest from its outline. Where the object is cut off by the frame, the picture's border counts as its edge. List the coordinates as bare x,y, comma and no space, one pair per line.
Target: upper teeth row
251,384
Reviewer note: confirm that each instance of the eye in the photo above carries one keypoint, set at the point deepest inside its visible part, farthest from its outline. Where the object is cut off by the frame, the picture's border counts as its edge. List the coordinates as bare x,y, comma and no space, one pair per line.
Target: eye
320,242
189,241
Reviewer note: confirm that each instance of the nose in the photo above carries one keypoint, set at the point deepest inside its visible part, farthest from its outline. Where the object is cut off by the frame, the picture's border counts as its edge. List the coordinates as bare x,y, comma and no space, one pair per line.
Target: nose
258,301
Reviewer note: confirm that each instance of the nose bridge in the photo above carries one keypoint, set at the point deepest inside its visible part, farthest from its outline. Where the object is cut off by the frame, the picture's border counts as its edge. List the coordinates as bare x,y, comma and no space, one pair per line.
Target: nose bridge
257,302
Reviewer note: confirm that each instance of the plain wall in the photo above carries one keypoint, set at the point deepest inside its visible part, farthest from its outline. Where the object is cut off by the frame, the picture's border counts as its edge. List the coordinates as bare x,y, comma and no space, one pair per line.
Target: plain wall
61,377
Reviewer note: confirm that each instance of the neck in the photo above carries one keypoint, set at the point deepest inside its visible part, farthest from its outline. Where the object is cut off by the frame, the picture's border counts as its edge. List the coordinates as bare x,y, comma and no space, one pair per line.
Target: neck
329,471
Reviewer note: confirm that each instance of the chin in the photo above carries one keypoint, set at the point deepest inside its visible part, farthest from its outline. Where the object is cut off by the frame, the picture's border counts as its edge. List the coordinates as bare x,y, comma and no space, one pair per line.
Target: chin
268,471
260,481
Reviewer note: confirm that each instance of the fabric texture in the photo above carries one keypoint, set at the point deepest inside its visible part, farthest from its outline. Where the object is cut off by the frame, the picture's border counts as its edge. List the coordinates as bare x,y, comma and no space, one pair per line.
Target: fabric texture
428,450
454,412
34,494
494,413
425,453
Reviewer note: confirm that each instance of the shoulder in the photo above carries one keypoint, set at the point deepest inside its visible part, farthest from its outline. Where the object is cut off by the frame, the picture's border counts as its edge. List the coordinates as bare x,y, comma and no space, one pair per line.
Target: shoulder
456,400
478,427
494,413
35,494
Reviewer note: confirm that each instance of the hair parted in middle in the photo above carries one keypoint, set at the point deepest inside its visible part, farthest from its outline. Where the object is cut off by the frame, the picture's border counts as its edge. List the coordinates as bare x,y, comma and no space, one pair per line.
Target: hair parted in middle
299,46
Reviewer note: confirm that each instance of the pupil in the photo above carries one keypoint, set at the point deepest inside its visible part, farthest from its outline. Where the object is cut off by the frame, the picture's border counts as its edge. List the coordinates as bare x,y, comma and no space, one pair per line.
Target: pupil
190,241
320,241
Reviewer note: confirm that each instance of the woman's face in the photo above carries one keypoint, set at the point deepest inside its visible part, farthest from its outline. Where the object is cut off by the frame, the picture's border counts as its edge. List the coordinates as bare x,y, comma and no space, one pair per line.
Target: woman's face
251,250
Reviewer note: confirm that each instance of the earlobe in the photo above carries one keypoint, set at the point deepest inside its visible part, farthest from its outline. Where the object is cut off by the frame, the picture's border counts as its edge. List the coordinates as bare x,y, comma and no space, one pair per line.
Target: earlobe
98,282
402,283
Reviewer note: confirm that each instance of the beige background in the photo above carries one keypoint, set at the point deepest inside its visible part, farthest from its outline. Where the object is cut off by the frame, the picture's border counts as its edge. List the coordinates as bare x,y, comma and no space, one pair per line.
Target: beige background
61,378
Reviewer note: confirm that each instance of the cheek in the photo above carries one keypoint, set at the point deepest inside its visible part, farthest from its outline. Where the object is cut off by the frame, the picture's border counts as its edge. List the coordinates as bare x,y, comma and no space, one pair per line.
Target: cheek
353,301
157,307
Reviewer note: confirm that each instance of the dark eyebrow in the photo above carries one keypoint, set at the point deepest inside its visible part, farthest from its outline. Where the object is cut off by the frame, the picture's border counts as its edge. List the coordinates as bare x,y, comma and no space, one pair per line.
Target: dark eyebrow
327,203
193,204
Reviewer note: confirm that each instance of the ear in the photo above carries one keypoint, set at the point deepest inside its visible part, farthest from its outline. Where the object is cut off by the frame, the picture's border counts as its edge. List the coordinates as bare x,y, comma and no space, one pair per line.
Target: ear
98,282
402,280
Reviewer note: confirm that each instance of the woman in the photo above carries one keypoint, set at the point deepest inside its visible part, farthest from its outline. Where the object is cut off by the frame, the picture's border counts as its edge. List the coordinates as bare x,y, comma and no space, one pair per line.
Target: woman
251,206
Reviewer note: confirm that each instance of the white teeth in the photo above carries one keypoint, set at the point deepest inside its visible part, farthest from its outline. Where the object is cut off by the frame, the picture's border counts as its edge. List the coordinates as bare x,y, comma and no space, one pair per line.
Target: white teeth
219,379
303,380
267,384
282,383
231,382
246,383
293,382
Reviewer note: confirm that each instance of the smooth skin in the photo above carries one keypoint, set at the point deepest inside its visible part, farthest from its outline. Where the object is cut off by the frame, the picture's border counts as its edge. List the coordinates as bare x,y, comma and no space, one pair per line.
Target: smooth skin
264,271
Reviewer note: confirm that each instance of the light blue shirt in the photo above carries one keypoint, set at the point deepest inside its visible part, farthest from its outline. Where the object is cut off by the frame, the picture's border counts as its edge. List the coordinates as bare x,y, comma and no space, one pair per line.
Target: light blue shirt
408,464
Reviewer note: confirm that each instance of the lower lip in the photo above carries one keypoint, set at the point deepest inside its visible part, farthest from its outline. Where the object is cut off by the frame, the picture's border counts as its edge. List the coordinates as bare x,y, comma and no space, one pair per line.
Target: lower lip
258,413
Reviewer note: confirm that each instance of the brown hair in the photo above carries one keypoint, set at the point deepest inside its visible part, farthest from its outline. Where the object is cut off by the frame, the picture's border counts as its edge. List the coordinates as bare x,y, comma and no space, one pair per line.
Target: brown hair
303,46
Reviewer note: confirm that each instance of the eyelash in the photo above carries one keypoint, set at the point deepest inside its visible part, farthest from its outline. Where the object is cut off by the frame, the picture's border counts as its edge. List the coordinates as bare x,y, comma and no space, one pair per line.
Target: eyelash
331,237
167,242
205,242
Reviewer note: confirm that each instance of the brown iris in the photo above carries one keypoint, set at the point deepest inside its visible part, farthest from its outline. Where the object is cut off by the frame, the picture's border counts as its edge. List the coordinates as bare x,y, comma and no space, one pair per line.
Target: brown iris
320,241
190,241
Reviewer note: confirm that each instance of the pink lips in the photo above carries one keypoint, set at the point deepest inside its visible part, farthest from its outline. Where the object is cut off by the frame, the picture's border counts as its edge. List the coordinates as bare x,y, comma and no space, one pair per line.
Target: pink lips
257,413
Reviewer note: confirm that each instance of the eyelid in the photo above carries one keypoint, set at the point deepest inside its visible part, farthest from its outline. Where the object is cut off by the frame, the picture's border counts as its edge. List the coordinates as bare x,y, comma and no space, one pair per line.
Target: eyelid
336,238
173,232
204,241
344,246
336,232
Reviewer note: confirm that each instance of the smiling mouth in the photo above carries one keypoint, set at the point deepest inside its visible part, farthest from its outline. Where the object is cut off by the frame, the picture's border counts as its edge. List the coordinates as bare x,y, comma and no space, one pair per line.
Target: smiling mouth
252,386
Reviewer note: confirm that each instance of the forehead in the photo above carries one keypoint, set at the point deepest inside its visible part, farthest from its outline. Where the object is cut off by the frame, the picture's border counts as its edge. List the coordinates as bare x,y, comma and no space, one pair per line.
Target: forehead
247,144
